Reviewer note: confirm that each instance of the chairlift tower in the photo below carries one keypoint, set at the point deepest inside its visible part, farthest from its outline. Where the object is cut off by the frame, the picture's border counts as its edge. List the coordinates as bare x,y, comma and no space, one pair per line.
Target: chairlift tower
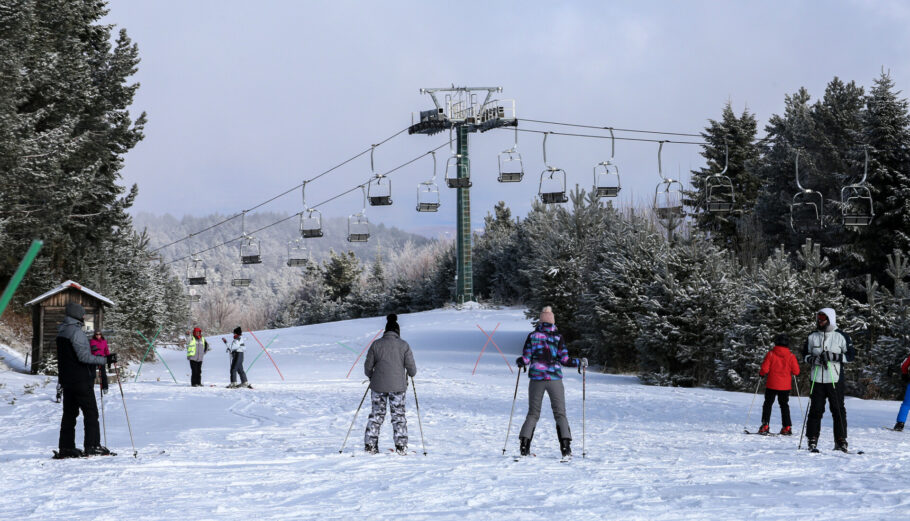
459,109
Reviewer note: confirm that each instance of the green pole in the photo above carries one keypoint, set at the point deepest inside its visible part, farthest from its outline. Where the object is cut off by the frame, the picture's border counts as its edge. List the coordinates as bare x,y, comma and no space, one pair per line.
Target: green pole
348,348
146,351
260,352
19,274
464,289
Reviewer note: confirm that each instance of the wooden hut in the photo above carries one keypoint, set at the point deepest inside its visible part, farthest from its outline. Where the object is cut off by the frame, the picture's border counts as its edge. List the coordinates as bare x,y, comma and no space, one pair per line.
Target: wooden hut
48,313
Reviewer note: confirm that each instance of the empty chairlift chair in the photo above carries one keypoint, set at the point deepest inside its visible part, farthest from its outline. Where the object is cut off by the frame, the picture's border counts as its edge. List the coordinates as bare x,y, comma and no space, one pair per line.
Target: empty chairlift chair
552,187
807,209
192,296
606,174
428,192
195,273
358,224
310,219
856,201
511,169
249,251
719,193
668,194
297,254
379,189
241,277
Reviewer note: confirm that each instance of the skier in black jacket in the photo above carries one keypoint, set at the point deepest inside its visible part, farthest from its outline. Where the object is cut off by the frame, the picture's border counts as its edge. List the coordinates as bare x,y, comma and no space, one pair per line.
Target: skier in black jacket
75,367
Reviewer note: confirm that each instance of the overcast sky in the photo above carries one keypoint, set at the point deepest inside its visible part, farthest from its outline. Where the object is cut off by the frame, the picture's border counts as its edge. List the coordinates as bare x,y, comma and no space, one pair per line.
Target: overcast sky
247,99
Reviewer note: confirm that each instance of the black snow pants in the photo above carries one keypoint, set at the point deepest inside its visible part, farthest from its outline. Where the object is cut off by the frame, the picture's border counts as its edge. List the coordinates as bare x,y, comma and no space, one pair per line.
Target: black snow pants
196,369
834,394
76,397
783,399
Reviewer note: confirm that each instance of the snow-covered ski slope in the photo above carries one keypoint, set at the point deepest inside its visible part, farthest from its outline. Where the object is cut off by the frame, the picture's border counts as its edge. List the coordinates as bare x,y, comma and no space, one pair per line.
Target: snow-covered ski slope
272,453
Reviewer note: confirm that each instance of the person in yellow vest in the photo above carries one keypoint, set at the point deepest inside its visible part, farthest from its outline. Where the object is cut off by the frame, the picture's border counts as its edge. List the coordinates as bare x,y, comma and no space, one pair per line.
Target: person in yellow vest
195,351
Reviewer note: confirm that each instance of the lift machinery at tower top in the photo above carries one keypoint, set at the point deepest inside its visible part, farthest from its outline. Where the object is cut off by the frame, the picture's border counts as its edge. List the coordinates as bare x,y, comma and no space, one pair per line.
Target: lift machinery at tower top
460,111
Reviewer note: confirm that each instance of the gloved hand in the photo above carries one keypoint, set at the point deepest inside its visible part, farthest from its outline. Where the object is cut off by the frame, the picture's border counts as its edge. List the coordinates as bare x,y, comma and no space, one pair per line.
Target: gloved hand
833,357
905,377
223,340
111,359
520,361
811,359
581,363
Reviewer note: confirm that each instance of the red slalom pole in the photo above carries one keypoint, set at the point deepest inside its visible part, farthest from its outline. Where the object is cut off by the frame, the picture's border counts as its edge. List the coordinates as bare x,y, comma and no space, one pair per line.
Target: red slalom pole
496,346
364,351
485,344
267,354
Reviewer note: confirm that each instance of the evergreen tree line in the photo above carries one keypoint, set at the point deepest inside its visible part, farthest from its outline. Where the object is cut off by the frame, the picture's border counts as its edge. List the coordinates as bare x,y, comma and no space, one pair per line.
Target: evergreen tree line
65,128
699,302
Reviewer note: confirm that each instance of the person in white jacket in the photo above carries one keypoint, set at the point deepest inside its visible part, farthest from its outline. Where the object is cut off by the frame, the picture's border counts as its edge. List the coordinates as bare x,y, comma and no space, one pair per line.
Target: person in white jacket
826,350
235,349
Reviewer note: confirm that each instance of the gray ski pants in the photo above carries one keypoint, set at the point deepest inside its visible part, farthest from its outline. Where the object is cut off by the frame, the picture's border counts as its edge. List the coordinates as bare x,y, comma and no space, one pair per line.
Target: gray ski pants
395,402
557,393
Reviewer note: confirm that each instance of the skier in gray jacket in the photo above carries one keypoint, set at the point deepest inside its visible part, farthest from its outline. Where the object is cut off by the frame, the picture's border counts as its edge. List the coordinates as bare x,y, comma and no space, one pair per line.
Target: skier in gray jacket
235,349
388,365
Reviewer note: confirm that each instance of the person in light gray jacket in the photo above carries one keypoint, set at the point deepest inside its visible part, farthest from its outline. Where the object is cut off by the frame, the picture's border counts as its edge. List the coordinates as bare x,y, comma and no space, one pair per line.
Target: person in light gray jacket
388,365
826,350
235,349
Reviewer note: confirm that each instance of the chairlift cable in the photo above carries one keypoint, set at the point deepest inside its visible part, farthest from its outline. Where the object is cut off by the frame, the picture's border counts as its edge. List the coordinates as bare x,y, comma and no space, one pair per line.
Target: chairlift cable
601,127
282,194
572,134
280,221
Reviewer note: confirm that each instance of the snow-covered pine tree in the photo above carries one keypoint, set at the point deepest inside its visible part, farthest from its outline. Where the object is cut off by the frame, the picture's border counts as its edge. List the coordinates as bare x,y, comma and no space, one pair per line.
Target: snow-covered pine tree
692,301
881,370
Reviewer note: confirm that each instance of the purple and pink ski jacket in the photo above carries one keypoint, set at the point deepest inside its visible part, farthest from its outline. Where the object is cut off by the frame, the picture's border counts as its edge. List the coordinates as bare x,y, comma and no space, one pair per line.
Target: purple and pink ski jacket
545,353
99,347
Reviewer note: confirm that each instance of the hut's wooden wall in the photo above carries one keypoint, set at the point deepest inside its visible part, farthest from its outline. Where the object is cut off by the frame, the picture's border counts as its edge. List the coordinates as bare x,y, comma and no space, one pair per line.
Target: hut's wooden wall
49,313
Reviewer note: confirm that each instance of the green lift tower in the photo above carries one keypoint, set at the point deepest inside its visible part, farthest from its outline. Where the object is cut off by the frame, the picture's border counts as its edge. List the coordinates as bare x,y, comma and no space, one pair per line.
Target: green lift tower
460,112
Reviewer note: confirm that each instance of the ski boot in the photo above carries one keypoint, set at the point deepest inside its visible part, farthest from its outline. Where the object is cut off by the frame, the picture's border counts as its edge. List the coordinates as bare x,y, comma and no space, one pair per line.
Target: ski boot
841,445
899,426
813,444
524,446
98,451
401,450
232,385
786,431
68,453
371,448
565,447
764,429
246,385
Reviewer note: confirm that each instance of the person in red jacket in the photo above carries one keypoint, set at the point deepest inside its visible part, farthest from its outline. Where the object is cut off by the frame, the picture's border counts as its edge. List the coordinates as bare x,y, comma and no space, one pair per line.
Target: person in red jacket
779,366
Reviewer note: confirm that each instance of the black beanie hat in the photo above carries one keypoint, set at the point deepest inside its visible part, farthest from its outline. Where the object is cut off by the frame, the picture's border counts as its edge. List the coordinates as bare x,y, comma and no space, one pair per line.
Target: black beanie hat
392,323
237,330
782,340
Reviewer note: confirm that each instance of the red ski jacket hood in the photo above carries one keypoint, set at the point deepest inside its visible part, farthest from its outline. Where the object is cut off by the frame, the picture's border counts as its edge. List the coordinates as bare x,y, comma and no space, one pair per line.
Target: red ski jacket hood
780,366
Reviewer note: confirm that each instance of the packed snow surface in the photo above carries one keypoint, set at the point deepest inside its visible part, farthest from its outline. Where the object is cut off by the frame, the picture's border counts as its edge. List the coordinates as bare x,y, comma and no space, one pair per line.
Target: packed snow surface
273,452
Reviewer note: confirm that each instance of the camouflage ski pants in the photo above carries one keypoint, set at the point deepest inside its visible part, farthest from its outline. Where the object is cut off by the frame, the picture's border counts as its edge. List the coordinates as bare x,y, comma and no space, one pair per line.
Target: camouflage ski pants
377,416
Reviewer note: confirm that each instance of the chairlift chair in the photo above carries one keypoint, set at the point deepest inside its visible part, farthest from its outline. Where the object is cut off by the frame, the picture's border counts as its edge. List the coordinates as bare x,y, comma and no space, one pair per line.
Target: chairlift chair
195,273
856,200
807,209
241,277
310,218
668,193
606,174
311,224
511,169
451,173
358,224
428,192
555,191
719,191
250,252
379,193
297,254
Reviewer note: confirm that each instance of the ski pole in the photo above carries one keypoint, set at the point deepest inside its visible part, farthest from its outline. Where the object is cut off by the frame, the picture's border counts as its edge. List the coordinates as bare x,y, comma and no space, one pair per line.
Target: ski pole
419,422
584,373
103,423
354,420
514,397
119,384
808,406
749,414
798,397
